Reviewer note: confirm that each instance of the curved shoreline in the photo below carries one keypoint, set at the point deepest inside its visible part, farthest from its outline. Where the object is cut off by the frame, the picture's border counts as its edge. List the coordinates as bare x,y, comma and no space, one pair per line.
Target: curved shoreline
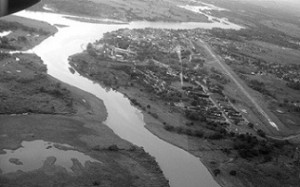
194,166
84,129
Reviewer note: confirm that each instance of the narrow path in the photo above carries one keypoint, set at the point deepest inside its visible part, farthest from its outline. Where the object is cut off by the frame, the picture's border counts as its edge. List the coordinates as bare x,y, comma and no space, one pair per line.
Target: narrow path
285,138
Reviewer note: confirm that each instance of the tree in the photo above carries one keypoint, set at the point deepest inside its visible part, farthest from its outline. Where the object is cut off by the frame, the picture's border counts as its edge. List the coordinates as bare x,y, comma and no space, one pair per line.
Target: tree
216,172
192,115
216,136
250,125
286,101
194,103
169,127
232,172
294,85
22,39
261,133
113,148
90,49
199,133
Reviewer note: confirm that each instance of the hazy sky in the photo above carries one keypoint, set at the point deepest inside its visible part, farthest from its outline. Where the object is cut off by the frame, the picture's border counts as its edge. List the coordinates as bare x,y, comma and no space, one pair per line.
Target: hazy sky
291,6
287,2
279,2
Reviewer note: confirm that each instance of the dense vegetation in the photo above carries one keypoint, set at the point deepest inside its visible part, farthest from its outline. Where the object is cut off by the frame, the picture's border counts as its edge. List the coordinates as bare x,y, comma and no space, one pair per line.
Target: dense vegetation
294,85
5,25
10,43
247,146
259,86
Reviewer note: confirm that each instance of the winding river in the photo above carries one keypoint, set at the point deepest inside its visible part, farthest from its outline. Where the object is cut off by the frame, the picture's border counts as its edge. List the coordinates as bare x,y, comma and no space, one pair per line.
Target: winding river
180,167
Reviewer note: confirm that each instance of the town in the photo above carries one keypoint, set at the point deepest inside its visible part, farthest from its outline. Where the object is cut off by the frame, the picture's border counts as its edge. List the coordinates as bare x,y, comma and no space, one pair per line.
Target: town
168,65
181,90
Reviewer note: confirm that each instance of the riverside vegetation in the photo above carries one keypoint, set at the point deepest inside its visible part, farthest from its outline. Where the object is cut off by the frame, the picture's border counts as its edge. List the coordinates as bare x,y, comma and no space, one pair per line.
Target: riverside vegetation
35,106
143,64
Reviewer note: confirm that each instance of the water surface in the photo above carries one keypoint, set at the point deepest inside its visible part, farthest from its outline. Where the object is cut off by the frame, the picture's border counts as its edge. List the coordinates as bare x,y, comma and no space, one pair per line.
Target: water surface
32,155
179,166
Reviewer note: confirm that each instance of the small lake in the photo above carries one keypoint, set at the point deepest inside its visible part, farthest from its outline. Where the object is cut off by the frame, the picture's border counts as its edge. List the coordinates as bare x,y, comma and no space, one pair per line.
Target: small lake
32,155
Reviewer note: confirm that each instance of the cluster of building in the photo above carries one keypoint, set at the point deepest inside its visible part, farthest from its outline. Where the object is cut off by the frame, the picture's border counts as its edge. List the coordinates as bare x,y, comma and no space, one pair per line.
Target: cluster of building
215,108
157,77
151,80
114,53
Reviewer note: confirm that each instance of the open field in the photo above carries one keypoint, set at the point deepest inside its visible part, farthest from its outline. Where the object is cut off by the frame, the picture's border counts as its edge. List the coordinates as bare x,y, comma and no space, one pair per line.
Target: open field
26,33
289,28
25,88
277,54
122,10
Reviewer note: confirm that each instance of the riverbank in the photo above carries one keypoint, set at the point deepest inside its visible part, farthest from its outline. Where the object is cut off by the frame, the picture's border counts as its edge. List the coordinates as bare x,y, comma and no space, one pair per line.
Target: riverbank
35,106
215,155
124,165
25,33
156,115
233,159
210,154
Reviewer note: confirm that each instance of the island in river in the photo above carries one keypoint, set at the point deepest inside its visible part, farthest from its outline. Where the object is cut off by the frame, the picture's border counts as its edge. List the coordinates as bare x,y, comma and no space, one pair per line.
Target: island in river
37,108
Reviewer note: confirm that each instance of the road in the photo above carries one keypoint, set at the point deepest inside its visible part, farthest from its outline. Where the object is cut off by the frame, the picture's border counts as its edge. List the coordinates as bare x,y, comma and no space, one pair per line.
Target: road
285,138
214,102
239,85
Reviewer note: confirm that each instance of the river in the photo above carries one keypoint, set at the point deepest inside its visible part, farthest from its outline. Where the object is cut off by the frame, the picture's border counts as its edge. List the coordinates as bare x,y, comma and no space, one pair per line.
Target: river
180,167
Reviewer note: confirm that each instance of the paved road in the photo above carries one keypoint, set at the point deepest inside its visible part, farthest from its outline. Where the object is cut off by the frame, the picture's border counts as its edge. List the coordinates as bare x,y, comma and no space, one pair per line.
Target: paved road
230,74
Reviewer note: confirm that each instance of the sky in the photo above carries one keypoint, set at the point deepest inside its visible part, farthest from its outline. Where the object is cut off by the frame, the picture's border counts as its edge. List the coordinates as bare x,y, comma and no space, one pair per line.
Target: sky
291,6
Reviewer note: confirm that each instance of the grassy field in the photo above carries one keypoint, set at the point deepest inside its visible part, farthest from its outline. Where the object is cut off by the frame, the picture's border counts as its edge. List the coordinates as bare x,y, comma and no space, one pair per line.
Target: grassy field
288,28
25,88
122,10
277,54
26,33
